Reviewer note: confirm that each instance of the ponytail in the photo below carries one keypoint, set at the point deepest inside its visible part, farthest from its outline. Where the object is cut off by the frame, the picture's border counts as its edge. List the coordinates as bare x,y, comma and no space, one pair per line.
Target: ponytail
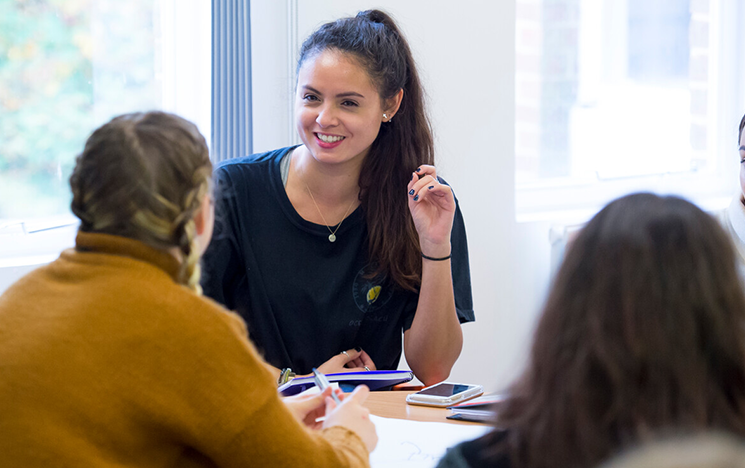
404,143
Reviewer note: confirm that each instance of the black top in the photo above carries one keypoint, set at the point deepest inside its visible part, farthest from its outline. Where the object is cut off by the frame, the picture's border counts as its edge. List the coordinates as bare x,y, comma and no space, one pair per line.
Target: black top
304,298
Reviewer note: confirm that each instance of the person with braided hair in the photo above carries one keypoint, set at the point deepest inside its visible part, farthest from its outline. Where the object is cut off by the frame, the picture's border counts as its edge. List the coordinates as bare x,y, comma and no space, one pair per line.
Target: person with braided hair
333,249
110,355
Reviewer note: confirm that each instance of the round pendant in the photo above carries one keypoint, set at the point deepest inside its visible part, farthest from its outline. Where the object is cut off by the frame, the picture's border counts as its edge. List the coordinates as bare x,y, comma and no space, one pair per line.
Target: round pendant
332,238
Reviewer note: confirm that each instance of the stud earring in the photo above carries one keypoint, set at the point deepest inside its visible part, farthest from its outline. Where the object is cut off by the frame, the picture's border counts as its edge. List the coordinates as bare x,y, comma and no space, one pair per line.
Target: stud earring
385,116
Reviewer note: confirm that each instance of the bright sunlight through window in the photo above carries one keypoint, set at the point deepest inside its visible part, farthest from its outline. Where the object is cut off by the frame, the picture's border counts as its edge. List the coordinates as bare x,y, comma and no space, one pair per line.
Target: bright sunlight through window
614,96
67,66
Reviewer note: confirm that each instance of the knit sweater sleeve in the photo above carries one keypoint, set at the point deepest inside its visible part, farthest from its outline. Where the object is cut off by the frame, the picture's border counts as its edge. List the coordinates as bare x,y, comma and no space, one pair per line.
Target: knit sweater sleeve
275,438
234,414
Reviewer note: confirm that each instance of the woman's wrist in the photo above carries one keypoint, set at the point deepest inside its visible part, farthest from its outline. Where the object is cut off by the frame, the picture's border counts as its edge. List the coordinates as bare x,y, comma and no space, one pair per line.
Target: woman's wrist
432,251
436,259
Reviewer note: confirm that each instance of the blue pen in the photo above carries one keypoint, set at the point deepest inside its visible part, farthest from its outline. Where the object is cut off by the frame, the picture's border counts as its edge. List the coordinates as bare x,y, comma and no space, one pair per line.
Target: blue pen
322,382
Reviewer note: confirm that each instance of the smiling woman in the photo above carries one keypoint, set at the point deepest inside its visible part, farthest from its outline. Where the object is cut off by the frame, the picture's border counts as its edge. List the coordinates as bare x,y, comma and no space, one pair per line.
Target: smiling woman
334,249
337,105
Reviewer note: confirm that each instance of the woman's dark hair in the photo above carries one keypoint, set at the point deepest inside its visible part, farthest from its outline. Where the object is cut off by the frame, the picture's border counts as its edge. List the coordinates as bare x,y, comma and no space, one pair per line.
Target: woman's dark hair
642,331
742,126
144,176
709,449
403,144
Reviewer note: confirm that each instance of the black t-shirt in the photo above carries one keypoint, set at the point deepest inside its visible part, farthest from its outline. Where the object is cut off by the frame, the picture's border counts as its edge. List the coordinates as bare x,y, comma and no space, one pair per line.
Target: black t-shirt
305,299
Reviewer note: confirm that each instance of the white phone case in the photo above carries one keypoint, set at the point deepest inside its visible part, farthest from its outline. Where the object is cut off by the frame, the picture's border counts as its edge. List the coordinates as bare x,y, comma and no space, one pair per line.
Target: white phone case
444,401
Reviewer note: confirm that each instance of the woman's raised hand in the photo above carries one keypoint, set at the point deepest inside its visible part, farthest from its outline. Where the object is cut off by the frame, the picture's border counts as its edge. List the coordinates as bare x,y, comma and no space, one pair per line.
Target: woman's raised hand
432,206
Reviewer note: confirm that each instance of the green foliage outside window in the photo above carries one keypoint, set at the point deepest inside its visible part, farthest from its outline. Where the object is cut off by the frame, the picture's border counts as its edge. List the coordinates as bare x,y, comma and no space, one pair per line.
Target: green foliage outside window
66,66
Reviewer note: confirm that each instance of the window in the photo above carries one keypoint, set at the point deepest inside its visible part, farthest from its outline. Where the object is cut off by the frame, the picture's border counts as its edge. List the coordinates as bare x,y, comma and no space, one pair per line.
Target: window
614,96
66,67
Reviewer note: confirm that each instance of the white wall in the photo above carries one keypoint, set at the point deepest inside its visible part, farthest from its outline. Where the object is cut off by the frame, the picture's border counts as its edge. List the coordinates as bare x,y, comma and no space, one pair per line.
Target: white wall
465,53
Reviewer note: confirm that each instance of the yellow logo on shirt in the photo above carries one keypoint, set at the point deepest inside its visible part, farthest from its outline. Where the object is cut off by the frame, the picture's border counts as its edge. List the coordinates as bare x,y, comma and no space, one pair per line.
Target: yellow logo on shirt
373,294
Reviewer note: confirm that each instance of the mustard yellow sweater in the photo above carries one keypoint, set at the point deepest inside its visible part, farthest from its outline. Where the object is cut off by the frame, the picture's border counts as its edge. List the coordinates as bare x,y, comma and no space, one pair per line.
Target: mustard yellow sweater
105,361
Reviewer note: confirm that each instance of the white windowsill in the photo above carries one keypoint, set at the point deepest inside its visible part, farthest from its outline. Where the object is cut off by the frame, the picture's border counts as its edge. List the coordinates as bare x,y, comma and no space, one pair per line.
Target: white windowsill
35,241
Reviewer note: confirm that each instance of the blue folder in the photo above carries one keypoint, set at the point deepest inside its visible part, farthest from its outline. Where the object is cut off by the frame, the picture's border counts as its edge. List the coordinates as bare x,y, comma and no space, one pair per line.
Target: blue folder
375,380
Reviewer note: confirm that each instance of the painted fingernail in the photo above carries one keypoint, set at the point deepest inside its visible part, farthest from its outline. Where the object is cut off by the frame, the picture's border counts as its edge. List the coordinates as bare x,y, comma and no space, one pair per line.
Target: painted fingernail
418,169
430,187
411,192
358,349
416,198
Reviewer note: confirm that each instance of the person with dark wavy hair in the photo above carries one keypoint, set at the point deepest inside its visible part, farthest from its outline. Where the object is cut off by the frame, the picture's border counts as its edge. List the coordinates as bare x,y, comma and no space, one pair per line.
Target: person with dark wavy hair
733,218
700,450
642,333
332,249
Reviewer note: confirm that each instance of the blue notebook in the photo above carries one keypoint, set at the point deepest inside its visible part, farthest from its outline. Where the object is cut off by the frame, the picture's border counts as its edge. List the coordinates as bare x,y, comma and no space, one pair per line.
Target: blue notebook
481,409
375,380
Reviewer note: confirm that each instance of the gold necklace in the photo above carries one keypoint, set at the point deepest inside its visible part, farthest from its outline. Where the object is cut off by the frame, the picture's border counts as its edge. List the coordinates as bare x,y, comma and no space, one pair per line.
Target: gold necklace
332,236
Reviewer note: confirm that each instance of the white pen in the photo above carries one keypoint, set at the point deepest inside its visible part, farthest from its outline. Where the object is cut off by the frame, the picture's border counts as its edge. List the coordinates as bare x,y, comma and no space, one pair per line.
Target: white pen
322,382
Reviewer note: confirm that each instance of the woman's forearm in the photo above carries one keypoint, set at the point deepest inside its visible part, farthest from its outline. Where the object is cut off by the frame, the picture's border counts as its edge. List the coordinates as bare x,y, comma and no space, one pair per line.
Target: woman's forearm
434,341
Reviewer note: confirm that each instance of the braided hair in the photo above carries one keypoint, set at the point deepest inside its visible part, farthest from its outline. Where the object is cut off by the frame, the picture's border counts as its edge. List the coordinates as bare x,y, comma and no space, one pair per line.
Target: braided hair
144,176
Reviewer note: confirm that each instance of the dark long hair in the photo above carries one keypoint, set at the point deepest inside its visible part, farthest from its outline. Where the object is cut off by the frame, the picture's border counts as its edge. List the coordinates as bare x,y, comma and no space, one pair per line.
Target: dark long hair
643,330
143,176
742,125
376,43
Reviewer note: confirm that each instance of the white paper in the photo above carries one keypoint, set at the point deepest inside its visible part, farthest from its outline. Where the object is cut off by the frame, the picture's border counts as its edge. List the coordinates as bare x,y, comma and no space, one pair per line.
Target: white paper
415,444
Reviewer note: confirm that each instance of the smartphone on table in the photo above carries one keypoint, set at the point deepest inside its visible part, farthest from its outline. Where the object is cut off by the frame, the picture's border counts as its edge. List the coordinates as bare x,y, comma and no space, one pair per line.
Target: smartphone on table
444,394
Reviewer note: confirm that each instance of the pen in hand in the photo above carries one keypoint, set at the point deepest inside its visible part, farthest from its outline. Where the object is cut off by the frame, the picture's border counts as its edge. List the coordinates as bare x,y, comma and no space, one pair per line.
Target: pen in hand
322,382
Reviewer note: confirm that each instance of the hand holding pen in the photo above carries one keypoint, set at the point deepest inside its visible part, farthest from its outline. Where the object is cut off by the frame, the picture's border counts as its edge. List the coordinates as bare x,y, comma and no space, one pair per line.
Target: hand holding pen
309,407
322,383
346,411
352,415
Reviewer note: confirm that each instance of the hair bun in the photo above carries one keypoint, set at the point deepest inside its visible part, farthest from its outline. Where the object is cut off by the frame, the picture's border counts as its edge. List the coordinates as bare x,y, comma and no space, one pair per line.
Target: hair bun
374,16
